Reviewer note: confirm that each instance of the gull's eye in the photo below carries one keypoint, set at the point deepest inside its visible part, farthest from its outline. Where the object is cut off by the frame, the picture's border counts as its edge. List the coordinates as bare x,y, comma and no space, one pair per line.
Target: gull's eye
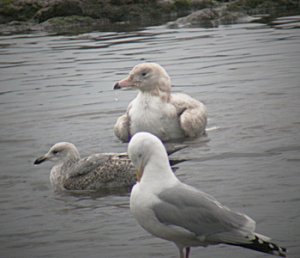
144,74
55,152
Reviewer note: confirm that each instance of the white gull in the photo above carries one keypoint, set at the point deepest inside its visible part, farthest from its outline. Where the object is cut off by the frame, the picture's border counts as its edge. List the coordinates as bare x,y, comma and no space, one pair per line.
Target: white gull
174,211
167,115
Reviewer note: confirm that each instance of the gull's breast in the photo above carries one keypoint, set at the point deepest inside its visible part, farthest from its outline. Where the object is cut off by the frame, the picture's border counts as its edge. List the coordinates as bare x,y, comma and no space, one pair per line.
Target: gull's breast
151,114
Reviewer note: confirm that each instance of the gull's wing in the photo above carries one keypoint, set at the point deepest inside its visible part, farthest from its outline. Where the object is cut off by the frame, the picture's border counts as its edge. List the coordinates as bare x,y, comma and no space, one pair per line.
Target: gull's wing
170,148
185,207
122,126
100,171
191,113
87,165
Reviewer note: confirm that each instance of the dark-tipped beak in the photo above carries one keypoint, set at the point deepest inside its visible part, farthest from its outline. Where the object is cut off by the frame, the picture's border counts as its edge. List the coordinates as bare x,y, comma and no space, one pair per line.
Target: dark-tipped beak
39,160
117,86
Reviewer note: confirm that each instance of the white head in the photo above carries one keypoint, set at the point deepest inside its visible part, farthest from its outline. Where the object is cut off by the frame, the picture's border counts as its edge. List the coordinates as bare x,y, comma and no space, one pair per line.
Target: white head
60,151
147,77
146,150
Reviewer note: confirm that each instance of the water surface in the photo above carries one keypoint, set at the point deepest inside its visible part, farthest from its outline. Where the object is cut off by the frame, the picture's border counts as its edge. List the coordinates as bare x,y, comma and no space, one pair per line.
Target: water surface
59,88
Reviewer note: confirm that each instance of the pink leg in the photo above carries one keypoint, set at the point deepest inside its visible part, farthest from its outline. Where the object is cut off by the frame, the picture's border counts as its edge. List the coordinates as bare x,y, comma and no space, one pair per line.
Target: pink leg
187,252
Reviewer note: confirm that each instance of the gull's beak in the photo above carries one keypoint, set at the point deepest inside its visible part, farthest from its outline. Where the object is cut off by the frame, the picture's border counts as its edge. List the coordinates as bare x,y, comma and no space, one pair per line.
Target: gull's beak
125,83
117,86
139,173
40,160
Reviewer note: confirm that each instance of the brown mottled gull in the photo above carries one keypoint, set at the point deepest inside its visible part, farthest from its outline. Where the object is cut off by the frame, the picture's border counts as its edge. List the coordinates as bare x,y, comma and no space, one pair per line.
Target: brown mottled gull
174,211
95,172
167,115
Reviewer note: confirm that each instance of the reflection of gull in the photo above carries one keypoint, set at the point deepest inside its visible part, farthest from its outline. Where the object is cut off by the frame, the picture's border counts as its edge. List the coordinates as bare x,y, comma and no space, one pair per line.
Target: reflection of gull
96,172
180,213
156,110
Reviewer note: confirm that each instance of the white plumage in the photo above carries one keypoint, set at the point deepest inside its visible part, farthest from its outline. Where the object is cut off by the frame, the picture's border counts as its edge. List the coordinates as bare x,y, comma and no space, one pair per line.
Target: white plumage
156,110
172,210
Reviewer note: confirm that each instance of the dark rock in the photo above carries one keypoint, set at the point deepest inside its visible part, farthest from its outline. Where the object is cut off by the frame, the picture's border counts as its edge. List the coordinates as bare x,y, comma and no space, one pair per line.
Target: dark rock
73,24
64,15
210,17
21,10
59,8
271,7
207,17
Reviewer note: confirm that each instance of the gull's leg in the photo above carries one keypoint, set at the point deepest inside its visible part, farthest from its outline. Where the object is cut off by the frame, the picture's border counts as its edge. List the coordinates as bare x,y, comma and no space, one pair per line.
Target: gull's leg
187,252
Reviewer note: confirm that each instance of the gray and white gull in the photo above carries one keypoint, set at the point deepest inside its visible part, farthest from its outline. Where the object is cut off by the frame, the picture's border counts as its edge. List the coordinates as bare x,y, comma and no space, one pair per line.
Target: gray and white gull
174,211
95,172
167,115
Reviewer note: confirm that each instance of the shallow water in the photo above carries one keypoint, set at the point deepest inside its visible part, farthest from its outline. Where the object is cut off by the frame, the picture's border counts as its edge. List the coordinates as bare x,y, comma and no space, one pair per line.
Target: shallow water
59,88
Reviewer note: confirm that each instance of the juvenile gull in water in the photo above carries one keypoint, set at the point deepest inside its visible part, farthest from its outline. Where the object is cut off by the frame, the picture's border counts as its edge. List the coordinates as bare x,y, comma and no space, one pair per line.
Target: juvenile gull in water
156,110
95,172
177,212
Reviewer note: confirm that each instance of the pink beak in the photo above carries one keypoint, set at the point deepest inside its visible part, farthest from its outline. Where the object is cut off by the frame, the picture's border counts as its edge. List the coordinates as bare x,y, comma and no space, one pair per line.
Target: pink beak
125,83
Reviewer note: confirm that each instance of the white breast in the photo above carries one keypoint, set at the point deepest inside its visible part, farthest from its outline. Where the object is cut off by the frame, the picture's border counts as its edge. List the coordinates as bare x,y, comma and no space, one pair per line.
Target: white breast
56,178
150,114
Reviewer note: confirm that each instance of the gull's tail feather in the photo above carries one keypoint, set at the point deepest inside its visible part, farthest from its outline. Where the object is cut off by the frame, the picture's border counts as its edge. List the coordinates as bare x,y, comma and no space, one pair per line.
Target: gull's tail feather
261,244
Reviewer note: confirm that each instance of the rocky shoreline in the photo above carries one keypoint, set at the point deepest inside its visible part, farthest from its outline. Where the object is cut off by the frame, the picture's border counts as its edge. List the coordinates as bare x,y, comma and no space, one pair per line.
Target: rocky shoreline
79,16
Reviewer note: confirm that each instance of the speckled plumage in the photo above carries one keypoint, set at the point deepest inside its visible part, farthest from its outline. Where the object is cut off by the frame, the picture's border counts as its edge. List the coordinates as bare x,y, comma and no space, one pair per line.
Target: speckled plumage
95,172
100,171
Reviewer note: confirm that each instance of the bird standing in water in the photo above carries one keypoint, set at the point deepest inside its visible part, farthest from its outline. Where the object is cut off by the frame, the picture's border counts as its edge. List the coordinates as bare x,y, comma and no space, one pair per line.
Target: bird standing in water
174,211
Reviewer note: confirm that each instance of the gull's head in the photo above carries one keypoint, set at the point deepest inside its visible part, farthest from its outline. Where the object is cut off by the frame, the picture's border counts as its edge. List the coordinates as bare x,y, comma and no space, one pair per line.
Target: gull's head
147,77
60,151
145,148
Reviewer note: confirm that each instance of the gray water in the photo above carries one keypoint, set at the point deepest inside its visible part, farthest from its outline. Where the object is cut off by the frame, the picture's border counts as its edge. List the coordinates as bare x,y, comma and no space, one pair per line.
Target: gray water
59,88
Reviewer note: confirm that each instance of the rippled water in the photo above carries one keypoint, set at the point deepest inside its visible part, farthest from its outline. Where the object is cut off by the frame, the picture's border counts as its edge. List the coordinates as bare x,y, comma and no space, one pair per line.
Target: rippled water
59,88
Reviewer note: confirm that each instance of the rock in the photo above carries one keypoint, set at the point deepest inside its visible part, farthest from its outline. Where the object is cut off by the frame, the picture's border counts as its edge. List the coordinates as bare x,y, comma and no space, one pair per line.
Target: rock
16,27
59,8
20,10
63,15
73,24
204,18
211,17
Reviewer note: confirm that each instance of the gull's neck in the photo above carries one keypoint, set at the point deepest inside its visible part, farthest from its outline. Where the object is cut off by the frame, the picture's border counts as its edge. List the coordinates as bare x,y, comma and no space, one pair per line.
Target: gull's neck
158,173
62,168
73,154
164,96
71,157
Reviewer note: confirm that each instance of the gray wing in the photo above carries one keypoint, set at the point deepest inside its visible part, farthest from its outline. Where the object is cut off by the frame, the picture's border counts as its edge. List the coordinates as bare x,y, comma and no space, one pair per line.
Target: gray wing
100,171
200,213
87,165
